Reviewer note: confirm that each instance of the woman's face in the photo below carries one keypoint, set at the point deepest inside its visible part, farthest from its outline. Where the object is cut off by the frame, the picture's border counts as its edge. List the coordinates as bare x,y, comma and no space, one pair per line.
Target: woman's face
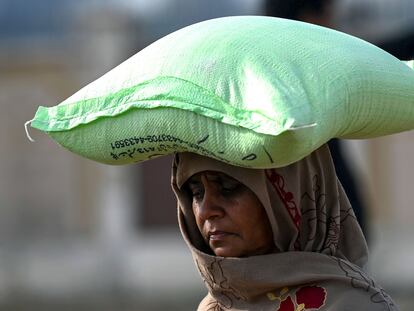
229,216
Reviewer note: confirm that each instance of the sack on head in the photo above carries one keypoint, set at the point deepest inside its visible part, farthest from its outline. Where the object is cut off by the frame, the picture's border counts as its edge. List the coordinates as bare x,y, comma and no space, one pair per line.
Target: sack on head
251,91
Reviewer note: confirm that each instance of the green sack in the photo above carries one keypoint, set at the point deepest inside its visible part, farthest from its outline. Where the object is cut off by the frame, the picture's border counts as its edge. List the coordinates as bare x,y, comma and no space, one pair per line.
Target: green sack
251,91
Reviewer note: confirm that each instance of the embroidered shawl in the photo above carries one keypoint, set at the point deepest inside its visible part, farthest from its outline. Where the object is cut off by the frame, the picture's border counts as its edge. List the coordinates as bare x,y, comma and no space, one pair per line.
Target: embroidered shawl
321,250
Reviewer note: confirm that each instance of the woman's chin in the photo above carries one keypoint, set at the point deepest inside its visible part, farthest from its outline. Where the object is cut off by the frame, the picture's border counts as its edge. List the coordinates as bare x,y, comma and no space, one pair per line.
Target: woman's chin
231,251
224,251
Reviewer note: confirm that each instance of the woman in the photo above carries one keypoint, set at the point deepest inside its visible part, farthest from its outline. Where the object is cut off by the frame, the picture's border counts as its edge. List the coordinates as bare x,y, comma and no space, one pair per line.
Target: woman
276,239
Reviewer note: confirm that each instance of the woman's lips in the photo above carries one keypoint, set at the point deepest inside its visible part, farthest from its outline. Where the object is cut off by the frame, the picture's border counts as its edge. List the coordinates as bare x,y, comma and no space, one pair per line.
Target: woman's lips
217,235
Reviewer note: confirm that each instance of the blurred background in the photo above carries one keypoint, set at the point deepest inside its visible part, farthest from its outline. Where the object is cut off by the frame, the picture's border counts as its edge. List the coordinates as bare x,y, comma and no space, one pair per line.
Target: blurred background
78,235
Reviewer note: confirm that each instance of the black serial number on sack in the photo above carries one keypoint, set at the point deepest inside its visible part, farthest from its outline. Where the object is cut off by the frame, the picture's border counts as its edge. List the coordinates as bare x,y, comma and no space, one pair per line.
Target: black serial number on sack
141,140
162,146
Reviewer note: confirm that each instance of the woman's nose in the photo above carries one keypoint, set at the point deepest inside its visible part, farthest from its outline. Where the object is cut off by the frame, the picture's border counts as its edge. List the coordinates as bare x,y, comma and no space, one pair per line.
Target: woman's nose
211,206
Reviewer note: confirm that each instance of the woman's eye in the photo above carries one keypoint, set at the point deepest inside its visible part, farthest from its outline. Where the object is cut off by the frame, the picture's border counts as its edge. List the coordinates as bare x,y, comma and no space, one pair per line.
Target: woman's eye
196,193
230,189
227,189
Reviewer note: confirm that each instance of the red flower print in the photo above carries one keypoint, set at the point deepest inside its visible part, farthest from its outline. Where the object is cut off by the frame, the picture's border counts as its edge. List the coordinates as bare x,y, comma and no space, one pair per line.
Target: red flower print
307,298
313,297
286,305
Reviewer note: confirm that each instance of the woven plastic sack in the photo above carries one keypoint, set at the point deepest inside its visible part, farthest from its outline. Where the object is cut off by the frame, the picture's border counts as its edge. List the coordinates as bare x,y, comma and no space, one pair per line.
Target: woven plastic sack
251,91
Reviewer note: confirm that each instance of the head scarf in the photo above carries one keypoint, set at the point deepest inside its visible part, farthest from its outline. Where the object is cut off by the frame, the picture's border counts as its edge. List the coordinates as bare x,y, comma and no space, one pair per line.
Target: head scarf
320,247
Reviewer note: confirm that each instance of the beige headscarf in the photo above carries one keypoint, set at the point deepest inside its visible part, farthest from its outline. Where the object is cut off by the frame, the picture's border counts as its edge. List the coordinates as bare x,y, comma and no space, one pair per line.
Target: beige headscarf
320,246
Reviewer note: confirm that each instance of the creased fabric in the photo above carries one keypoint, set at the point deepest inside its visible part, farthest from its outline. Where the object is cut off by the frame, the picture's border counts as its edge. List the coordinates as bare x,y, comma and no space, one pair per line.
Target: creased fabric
321,251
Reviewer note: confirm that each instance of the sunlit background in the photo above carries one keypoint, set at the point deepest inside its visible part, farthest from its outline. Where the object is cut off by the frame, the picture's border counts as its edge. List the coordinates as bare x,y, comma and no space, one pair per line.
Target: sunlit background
78,235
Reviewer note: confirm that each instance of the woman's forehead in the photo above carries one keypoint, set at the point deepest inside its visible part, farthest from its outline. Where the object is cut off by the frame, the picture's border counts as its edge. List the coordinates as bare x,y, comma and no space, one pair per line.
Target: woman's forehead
189,164
213,176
